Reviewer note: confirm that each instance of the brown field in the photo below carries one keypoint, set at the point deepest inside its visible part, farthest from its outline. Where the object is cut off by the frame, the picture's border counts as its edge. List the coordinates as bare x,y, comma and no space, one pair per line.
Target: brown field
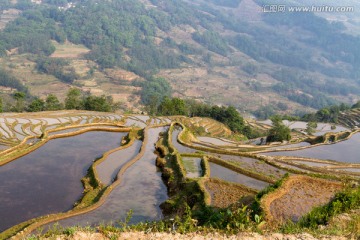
224,86
69,50
224,194
121,74
297,196
7,16
100,83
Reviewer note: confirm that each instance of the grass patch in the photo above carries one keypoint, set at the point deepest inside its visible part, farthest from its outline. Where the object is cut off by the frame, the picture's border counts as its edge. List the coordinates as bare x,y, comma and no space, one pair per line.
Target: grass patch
342,202
189,165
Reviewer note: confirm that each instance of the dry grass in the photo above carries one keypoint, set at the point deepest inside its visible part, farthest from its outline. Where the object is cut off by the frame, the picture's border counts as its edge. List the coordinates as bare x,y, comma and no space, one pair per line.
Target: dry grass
69,50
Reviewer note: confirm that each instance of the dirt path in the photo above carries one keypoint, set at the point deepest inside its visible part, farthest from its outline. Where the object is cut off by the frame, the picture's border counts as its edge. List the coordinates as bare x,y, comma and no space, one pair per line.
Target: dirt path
194,236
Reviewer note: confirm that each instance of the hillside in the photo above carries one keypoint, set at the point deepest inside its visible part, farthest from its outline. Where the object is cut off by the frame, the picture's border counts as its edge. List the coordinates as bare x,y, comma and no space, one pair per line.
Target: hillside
222,52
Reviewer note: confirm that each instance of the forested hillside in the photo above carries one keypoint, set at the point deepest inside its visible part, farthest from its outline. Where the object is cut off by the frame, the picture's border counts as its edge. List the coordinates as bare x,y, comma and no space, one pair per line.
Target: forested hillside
207,50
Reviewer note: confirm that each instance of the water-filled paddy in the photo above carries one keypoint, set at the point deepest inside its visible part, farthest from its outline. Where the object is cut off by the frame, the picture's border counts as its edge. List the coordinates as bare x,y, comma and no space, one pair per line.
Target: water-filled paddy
141,190
143,118
253,164
313,164
50,121
192,167
215,141
5,130
108,169
294,167
217,171
345,151
295,145
321,129
134,122
354,170
48,179
181,148
74,129
3,147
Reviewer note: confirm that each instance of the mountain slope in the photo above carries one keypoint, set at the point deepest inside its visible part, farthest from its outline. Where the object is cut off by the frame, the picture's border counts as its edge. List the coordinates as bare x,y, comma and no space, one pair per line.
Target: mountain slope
223,52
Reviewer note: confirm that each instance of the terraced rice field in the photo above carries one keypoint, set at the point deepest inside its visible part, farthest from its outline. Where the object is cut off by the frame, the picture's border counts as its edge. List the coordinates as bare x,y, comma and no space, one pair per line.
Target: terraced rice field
140,190
345,151
192,167
217,171
216,141
108,169
224,194
297,196
53,151
321,129
36,184
350,118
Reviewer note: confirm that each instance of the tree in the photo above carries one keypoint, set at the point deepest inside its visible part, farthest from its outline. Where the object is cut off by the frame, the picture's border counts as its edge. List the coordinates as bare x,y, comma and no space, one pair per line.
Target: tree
20,98
36,105
153,92
52,103
73,99
174,106
311,127
100,104
279,132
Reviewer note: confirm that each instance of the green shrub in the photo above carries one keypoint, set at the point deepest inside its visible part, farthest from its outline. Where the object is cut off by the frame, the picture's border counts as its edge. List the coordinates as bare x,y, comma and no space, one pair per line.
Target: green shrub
342,202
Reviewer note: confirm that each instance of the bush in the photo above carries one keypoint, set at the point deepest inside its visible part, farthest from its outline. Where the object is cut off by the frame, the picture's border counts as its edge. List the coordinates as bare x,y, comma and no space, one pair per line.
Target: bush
342,202
279,132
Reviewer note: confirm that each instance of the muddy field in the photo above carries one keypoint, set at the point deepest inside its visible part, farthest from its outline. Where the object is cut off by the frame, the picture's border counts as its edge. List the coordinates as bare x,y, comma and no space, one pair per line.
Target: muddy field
224,194
297,196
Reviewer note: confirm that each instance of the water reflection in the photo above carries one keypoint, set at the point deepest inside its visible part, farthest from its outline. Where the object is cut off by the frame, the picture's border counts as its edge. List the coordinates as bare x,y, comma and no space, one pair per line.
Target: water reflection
345,151
217,171
141,190
48,179
108,169
180,148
